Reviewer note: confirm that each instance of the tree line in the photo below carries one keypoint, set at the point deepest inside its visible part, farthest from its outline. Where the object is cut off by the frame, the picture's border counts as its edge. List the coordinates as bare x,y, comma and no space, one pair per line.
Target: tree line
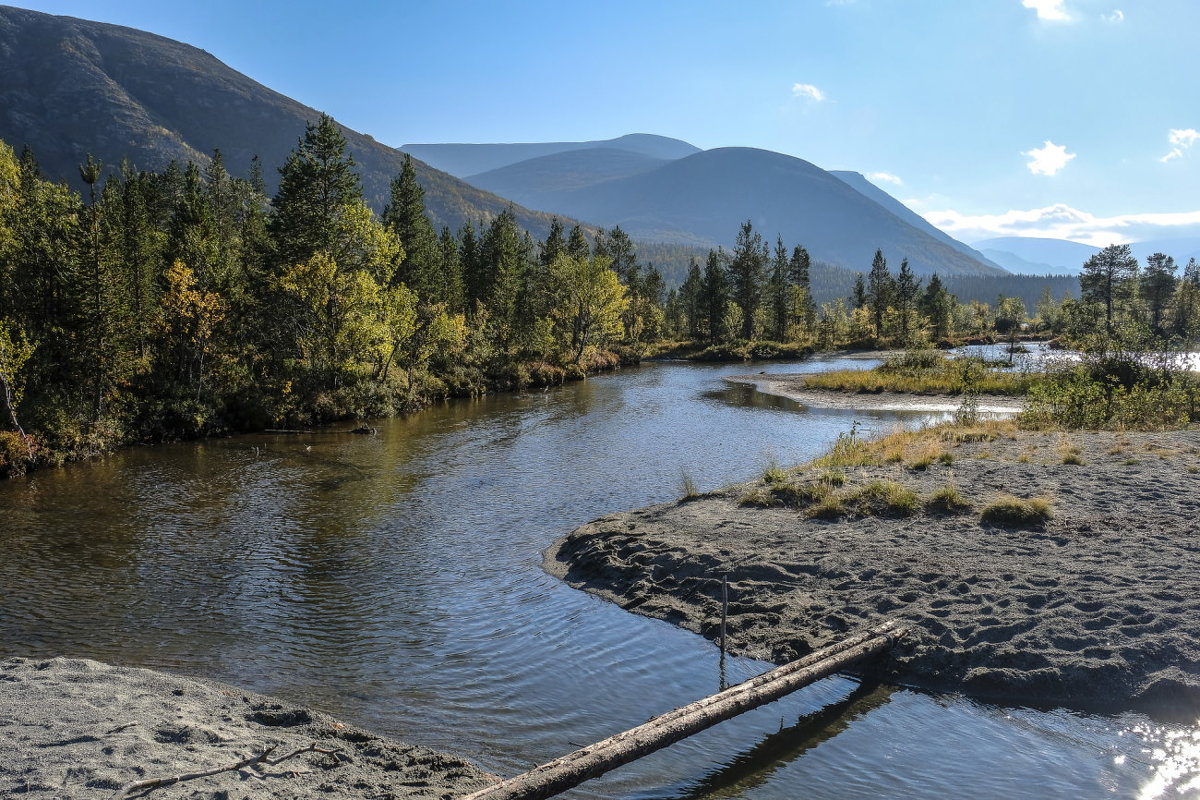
186,302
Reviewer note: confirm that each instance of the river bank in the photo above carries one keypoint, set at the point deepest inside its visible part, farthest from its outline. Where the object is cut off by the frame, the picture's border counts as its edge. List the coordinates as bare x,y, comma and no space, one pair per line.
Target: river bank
1094,608
76,728
792,386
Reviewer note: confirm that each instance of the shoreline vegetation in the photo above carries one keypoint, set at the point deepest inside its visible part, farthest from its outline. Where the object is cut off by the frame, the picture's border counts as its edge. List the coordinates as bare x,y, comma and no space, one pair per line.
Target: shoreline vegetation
187,303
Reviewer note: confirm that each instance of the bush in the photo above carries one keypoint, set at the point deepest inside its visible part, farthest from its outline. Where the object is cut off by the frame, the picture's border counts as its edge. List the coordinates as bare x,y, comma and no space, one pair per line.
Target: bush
1014,512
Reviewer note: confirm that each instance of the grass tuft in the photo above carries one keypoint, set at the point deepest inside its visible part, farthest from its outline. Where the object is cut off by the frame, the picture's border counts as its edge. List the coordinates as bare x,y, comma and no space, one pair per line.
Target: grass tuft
947,500
1015,512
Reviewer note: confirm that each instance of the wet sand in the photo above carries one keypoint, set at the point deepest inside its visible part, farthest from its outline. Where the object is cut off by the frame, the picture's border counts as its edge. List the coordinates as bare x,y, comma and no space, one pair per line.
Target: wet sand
1098,608
792,386
75,728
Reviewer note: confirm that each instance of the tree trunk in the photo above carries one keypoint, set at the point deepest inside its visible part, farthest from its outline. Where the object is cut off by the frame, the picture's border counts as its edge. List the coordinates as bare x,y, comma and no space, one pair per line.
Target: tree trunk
571,770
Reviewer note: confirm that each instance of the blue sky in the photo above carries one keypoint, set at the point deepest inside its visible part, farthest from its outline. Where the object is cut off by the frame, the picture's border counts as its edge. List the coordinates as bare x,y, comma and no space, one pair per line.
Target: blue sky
1071,118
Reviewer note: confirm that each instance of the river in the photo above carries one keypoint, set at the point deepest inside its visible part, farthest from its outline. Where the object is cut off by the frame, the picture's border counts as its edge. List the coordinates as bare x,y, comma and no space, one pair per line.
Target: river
395,581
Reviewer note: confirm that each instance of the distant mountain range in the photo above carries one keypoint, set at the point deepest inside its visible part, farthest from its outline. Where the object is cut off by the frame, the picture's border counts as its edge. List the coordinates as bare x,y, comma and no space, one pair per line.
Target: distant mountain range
1036,256
462,160
70,87
700,199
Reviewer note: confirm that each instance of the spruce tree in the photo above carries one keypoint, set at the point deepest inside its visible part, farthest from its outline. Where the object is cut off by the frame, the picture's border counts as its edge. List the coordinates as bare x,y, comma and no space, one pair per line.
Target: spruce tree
1157,288
714,297
405,216
905,291
880,287
746,275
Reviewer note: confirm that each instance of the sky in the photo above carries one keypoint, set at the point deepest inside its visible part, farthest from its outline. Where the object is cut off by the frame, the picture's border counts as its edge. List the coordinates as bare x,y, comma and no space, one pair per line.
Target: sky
1075,119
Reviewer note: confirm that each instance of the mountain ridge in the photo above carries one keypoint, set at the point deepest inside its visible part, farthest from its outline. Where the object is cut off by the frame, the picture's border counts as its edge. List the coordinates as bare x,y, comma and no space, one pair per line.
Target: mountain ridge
70,87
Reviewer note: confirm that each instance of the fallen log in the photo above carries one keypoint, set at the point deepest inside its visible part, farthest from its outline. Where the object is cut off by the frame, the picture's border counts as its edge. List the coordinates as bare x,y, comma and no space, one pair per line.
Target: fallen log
589,762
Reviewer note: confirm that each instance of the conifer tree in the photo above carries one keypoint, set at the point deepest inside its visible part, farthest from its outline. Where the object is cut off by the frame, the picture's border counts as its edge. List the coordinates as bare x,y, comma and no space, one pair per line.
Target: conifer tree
405,216
1157,288
906,289
746,275
1108,279
714,297
880,287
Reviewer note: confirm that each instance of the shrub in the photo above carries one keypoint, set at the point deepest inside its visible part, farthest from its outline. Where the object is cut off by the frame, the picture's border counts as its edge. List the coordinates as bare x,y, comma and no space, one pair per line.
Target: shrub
1015,512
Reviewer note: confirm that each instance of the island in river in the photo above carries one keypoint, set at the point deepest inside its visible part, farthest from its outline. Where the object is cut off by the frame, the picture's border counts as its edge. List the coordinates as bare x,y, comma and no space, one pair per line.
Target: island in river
1094,607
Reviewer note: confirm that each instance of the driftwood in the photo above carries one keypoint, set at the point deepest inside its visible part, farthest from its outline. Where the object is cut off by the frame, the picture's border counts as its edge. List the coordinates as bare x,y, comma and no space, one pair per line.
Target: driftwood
263,758
569,771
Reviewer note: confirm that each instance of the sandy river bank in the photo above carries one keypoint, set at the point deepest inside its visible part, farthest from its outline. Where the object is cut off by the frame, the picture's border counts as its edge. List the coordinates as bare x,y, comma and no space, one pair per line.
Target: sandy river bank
1096,608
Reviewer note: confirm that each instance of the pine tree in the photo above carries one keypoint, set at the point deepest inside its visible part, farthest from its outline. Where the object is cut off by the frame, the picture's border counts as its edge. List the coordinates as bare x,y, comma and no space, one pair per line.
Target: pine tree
577,246
1157,288
880,286
937,304
906,289
779,292
714,297
317,183
405,216
746,275
621,251
1108,279
451,290
690,293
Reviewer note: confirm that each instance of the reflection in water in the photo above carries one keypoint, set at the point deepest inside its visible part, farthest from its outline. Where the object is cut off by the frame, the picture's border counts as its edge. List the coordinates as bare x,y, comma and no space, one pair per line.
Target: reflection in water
395,580
754,767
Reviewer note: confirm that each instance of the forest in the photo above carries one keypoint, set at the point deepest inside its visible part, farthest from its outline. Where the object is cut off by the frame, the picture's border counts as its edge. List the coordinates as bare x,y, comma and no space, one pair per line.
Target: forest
186,302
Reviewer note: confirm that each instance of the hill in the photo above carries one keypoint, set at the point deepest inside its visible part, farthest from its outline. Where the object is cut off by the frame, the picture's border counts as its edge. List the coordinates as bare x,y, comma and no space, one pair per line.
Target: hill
859,182
535,182
471,159
69,87
701,200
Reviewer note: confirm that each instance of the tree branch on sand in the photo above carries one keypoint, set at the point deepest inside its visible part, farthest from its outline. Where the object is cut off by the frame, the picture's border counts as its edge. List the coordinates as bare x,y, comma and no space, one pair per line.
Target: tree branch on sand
262,758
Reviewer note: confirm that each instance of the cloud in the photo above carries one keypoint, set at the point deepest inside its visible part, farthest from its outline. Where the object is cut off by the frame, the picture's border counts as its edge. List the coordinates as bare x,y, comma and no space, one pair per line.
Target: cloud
1115,17
1060,221
1182,139
1049,158
807,90
1048,9
887,177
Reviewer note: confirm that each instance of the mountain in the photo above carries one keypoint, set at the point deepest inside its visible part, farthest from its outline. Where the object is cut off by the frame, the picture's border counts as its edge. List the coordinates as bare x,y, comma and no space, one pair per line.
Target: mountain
859,182
535,182
702,199
1033,256
1179,249
69,87
462,160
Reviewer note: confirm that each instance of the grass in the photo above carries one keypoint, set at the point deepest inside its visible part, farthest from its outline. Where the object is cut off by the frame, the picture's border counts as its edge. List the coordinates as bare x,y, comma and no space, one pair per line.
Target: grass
918,449
1015,512
947,500
923,373
872,499
688,487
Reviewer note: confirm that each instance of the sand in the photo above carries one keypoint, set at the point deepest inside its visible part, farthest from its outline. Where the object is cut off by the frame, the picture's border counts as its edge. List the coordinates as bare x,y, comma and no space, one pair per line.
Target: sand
75,728
793,386
1099,608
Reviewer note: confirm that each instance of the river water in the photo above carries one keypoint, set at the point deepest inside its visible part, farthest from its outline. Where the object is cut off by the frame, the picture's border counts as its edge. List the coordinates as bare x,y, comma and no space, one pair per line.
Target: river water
394,581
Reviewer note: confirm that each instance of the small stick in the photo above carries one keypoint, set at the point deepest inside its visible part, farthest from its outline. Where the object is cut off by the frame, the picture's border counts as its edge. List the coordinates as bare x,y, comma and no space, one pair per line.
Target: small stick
724,607
261,758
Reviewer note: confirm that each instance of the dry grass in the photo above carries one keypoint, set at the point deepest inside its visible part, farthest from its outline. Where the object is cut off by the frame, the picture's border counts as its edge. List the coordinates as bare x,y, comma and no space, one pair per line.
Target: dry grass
947,500
1014,512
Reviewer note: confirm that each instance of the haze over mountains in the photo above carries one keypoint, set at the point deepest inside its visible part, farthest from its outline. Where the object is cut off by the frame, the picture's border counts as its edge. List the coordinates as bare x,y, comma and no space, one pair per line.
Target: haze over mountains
69,87
1035,256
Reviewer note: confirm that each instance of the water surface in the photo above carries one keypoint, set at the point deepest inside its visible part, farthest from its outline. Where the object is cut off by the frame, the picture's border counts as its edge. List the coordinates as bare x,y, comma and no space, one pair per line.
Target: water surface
395,582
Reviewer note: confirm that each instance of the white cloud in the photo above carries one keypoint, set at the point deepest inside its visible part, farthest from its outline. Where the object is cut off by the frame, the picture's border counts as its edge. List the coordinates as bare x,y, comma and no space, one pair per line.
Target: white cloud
1048,159
1060,221
1048,9
887,177
1182,139
1115,17
807,90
